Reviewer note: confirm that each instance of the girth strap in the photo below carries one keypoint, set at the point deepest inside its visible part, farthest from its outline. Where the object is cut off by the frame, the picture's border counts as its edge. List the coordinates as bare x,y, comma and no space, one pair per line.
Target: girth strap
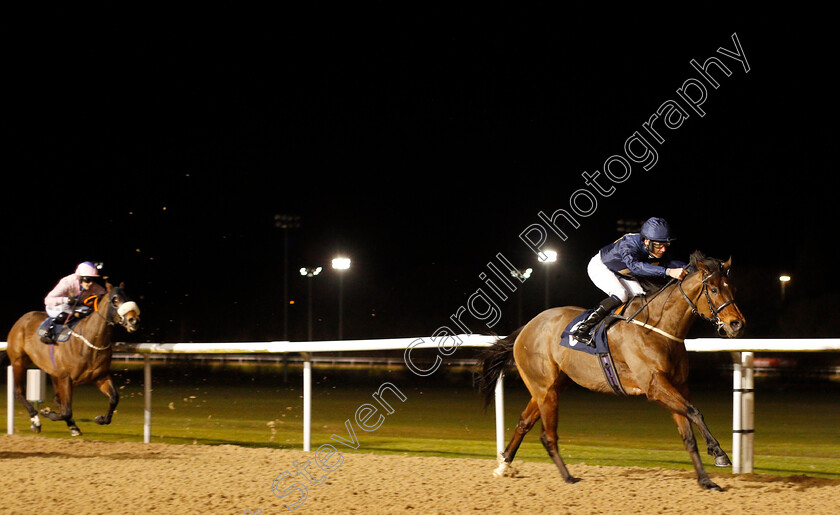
610,373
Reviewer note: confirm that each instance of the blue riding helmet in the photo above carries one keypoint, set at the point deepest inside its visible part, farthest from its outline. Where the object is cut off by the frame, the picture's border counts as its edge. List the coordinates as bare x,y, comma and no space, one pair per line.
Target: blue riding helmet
657,229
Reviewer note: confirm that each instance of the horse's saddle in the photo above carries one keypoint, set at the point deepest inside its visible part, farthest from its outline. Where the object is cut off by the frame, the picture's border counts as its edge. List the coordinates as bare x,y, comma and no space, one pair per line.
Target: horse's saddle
598,334
601,350
55,333
58,333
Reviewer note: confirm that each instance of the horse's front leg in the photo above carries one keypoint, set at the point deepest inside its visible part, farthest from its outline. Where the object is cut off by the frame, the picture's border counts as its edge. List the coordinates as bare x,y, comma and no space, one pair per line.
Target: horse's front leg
684,427
712,445
663,392
106,386
64,394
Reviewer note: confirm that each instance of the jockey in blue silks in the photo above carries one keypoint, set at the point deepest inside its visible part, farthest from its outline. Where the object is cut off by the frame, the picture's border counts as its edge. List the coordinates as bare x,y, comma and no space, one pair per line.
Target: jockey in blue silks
614,269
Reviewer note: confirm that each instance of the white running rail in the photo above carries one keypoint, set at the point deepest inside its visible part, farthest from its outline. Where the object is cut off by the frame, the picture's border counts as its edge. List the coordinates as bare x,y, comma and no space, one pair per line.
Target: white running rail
743,394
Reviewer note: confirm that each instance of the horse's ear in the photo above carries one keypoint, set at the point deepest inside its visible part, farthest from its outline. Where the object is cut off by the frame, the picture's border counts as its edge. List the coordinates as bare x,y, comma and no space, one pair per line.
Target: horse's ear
726,264
108,286
122,286
697,258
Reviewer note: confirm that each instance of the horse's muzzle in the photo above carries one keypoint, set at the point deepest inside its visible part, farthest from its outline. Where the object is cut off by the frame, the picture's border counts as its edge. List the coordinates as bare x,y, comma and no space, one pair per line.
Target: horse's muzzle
131,324
129,313
732,329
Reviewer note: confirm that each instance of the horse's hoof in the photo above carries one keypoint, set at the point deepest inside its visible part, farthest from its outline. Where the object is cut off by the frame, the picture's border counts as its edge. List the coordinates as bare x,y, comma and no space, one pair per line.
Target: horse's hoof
46,412
35,426
102,420
74,431
722,461
504,469
572,480
707,484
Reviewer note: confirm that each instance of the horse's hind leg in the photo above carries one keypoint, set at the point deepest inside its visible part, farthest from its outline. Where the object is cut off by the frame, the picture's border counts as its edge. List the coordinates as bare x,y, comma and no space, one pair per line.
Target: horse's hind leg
64,393
106,386
19,374
526,421
548,436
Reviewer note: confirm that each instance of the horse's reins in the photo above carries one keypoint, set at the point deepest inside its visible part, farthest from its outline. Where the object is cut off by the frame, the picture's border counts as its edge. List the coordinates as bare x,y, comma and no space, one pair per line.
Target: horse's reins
715,311
648,301
645,303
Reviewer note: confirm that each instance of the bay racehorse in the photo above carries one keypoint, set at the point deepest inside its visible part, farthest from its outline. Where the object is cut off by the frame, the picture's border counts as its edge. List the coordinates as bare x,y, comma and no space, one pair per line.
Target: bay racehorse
649,359
84,358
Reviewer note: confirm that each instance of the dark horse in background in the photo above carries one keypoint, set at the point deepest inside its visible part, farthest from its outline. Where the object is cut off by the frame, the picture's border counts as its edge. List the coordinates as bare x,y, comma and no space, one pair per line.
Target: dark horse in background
84,358
650,360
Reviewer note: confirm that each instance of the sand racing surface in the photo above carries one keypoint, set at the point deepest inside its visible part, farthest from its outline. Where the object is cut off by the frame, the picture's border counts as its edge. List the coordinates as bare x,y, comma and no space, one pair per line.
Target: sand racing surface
57,476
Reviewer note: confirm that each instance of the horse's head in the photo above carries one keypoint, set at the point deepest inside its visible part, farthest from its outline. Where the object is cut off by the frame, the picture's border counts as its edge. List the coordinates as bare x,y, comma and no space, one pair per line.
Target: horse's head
716,302
120,310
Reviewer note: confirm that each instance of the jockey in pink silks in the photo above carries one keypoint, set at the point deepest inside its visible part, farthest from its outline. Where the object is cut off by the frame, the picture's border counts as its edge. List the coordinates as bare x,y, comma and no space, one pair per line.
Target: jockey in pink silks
61,301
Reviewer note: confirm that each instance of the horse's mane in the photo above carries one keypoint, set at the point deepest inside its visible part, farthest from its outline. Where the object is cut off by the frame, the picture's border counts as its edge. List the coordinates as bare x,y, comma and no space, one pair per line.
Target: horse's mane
709,262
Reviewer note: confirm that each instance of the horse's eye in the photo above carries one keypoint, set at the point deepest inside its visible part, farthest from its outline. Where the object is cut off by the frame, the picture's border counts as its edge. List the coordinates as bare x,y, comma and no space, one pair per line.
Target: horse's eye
714,290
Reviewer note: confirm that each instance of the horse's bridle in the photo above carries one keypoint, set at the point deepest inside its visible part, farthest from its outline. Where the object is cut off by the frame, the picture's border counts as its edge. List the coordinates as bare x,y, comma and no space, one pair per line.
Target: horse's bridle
715,311
115,315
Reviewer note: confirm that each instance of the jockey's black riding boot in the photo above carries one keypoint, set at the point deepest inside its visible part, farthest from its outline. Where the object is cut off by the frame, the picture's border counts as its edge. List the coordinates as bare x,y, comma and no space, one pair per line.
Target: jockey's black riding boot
582,332
59,319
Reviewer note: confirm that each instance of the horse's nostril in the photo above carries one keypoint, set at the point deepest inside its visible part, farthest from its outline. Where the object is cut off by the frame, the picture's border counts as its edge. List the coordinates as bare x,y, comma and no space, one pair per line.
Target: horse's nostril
736,325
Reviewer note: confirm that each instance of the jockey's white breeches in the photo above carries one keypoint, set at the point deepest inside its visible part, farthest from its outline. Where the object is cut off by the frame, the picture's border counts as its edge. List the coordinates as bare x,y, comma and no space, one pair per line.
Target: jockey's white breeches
53,311
610,282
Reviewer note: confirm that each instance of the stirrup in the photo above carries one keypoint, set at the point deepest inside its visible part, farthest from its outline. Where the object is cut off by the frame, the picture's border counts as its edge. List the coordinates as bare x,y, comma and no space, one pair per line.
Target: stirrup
588,339
584,336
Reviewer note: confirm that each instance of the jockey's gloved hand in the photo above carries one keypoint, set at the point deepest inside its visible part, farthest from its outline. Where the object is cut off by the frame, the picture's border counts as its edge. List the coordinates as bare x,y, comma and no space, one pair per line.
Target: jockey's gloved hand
72,300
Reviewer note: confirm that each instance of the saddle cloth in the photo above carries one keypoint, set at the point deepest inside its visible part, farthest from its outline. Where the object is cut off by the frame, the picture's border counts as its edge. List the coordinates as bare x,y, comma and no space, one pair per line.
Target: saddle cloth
600,338
61,332
601,350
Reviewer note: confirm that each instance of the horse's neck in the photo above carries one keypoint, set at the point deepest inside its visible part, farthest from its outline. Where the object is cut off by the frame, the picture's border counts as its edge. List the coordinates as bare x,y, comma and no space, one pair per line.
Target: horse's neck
670,312
95,328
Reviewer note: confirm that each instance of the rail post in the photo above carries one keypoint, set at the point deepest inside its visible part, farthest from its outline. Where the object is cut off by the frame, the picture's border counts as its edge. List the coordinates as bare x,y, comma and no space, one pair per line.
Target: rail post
747,412
10,401
147,399
500,414
307,400
743,412
736,412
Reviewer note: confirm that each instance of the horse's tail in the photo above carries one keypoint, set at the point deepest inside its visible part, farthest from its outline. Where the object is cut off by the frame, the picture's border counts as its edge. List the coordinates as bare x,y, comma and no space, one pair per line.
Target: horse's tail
493,362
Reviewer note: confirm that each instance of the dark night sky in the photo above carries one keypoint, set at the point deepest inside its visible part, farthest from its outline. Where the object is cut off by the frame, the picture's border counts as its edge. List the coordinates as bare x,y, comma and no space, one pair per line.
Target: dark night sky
420,144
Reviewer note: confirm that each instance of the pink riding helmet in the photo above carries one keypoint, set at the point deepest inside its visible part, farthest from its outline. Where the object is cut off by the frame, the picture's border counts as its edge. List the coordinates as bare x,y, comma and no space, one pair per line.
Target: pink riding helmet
87,269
